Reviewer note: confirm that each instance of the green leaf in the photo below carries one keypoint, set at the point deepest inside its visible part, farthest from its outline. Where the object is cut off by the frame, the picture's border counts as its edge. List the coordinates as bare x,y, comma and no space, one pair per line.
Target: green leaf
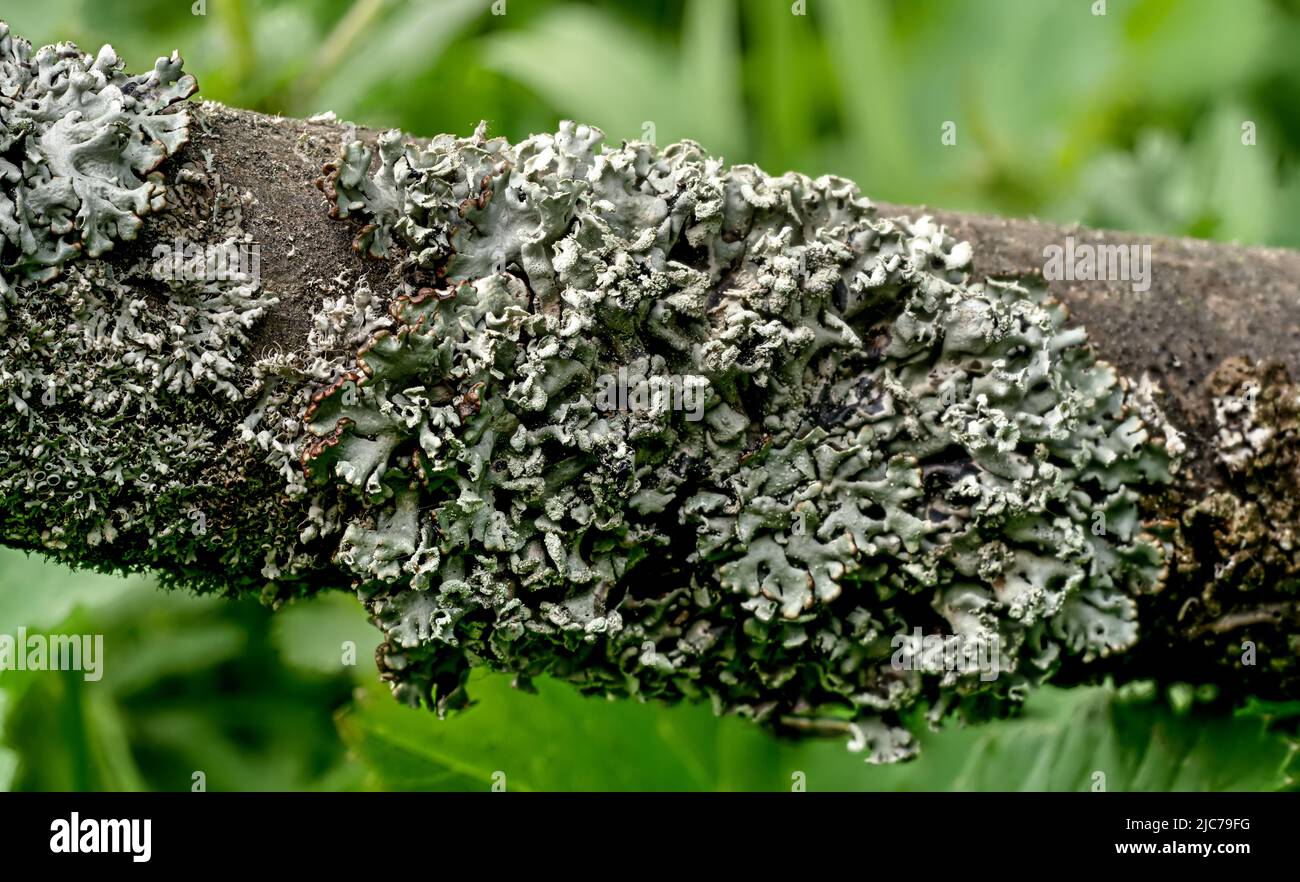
38,595
1179,50
596,69
189,684
710,73
554,740
311,635
1067,740
355,61
872,83
1213,186
785,75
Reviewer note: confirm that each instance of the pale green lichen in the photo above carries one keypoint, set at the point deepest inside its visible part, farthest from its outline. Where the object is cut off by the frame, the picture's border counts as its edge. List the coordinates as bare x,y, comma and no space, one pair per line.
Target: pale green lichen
886,445
119,381
79,145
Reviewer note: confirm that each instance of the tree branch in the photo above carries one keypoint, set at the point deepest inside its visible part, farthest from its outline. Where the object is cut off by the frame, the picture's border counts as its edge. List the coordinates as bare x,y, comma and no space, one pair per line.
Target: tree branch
405,399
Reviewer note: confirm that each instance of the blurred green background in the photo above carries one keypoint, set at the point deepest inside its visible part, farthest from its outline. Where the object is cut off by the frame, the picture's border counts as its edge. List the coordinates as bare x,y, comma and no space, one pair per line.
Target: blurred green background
1133,120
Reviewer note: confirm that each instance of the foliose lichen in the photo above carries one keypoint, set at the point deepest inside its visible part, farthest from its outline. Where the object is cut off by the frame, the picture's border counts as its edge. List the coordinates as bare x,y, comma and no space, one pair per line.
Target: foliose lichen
80,143
906,489
889,447
120,380
1234,614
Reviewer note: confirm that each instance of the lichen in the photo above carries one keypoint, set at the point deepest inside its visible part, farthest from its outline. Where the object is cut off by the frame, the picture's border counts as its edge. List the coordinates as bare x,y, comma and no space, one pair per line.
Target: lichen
887,443
120,381
1232,614
894,461
80,143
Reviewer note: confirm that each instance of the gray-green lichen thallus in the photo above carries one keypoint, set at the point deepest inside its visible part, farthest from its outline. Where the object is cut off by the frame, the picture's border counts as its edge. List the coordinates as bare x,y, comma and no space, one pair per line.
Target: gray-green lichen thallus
80,145
889,447
123,378
905,489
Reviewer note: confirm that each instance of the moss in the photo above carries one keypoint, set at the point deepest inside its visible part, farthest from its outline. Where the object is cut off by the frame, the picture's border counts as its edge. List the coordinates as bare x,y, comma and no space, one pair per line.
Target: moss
887,444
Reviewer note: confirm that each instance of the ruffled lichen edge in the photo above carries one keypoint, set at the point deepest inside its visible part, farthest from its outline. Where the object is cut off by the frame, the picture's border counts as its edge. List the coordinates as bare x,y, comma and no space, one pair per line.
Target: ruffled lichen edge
888,449
80,145
130,387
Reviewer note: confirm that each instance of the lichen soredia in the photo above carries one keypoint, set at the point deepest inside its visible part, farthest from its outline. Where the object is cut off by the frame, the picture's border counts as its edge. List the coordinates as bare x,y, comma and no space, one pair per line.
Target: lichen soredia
886,442
120,384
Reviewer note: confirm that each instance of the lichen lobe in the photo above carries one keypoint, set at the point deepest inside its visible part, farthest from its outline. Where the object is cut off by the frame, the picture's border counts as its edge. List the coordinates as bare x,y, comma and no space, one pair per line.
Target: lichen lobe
886,444
80,144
